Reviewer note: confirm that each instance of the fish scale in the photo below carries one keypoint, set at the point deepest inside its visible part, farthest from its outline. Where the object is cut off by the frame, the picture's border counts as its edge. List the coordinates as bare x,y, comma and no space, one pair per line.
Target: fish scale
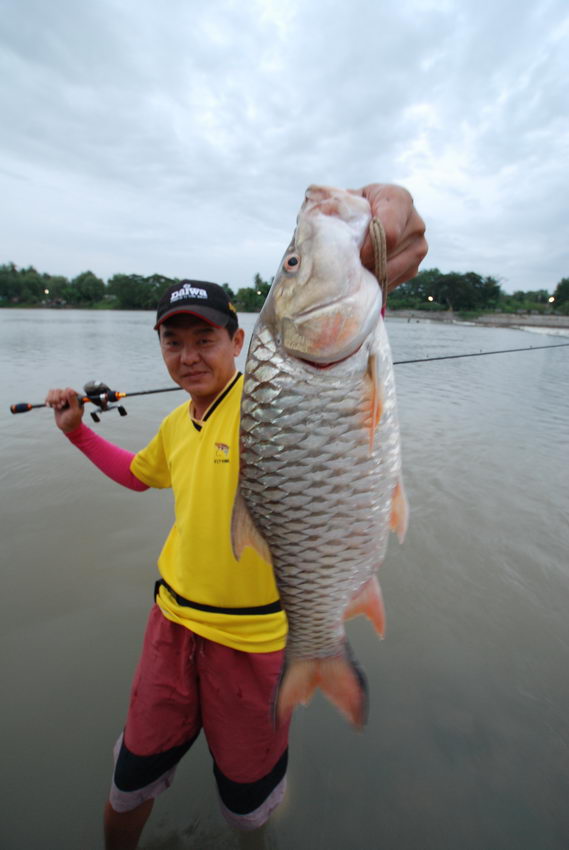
282,511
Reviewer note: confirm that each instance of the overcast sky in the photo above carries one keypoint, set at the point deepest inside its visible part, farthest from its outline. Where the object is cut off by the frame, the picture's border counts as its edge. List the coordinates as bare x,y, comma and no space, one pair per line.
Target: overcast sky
178,136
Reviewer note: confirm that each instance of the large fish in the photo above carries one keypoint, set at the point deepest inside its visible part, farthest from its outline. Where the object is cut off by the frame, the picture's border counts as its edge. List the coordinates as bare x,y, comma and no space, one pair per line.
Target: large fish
320,479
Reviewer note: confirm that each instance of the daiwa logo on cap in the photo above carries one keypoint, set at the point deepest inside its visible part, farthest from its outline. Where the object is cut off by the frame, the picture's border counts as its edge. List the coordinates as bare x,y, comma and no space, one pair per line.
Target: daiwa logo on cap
208,301
188,291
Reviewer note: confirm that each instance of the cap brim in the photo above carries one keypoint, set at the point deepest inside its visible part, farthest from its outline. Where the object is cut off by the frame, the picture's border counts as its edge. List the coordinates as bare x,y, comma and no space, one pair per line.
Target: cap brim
208,314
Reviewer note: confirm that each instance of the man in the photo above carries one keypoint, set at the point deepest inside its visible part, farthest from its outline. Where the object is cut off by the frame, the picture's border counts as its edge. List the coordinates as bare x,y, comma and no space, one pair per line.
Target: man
213,647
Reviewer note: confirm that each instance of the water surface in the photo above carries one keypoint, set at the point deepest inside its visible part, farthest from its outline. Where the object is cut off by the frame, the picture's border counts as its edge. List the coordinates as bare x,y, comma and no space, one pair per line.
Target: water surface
468,739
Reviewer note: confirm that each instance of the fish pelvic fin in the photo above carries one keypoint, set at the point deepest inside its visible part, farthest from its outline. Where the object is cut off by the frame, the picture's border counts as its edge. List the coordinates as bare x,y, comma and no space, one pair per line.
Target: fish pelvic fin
244,532
376,405
369,601
338,677
399,511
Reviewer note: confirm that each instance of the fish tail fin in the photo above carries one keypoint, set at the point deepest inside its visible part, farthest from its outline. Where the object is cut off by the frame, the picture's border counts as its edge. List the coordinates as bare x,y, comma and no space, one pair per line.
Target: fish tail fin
339,677
298,682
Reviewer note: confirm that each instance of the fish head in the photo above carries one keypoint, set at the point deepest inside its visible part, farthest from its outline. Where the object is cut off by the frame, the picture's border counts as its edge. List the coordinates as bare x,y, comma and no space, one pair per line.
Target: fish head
323,303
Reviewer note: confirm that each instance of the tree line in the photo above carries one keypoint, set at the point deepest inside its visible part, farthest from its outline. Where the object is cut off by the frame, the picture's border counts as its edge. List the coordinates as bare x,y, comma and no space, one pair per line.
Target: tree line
431,289
469,292
23,287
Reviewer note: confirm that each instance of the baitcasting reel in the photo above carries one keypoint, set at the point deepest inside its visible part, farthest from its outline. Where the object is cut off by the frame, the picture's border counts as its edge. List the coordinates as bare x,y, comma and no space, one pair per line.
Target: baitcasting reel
101,394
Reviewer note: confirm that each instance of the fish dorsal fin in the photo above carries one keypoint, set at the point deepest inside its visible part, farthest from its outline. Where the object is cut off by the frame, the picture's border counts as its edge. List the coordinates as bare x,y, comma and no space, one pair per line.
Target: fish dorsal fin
376,404
244,532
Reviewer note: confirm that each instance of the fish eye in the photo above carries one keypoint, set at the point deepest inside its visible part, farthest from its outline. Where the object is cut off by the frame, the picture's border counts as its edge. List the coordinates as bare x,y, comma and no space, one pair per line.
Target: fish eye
291,263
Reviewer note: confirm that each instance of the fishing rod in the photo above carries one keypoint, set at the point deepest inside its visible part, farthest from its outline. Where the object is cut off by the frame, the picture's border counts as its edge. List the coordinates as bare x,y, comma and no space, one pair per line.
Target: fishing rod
98,393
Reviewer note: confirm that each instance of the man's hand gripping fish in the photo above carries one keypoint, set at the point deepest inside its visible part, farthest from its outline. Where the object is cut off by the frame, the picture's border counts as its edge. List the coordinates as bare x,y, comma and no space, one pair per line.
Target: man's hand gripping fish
320,480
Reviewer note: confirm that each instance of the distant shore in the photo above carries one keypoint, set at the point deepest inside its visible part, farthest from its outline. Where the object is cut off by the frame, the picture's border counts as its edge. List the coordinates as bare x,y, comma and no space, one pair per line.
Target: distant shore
522,321
489,320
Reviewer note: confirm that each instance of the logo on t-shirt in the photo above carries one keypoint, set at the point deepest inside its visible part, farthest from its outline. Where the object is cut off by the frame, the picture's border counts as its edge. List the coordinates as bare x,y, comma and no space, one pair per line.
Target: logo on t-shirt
221,453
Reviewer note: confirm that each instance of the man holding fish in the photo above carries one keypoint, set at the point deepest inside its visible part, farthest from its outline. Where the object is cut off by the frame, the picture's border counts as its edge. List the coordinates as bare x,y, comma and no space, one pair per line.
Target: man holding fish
233,568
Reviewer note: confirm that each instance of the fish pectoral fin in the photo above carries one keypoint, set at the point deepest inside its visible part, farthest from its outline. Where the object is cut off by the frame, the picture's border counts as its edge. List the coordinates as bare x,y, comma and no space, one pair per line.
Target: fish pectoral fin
399,511
339,677
376,398
244,532
369,602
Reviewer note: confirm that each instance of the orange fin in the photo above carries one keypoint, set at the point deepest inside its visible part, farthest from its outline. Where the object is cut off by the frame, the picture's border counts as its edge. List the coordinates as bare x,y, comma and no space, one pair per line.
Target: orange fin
299,681
339,678
369,601
244,531
399,511
376,398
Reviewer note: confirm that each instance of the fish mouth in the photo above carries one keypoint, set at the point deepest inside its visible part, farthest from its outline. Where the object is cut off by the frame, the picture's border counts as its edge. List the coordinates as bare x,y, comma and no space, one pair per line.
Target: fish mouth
325,334
310,310
322,348
332,363
307,314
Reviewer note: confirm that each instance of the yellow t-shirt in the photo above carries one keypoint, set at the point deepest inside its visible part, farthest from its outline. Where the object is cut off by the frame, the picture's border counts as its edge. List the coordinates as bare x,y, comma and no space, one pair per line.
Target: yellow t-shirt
200,462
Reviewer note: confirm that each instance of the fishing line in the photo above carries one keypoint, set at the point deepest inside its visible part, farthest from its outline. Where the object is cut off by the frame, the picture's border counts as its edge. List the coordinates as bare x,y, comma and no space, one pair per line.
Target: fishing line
479,353
100,394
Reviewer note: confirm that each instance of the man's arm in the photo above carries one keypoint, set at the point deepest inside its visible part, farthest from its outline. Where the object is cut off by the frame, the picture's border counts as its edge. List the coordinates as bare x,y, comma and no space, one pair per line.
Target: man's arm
404,231
113,461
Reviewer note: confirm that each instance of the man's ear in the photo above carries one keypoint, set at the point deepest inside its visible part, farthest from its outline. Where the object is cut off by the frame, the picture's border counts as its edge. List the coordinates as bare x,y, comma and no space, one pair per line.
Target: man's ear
238,340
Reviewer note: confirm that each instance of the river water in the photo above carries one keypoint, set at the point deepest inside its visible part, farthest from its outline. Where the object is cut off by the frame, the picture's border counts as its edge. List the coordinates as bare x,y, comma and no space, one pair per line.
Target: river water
467,744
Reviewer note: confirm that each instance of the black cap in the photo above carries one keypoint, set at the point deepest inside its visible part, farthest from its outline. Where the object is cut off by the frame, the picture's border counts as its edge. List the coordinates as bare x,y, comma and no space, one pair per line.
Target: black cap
207,301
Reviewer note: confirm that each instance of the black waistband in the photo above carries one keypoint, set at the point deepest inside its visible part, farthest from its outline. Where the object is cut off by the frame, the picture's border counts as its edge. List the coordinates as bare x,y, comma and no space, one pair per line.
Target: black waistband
272,608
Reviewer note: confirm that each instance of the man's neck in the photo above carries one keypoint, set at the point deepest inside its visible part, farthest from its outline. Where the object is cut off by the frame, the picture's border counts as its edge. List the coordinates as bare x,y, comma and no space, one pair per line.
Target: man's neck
200,406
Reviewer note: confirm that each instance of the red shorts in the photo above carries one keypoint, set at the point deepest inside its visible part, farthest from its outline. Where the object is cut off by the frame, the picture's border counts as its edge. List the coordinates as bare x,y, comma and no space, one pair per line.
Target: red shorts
183,683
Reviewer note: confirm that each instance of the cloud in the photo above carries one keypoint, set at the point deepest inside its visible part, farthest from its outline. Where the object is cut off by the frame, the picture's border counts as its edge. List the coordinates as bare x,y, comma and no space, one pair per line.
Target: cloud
179,138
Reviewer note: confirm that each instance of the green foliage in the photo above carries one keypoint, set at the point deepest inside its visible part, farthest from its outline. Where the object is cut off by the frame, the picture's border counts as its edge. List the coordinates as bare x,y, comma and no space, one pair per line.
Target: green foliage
25,286
466,292
561,293
60,290
135,292
86,289
471,293
450,291
9,284
252,298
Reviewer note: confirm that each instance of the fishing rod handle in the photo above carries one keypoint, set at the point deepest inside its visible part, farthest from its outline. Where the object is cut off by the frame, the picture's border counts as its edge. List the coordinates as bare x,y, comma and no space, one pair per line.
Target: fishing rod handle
23,407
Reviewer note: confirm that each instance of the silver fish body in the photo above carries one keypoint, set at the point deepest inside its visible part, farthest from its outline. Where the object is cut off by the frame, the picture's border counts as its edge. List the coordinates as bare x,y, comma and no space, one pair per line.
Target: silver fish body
320,452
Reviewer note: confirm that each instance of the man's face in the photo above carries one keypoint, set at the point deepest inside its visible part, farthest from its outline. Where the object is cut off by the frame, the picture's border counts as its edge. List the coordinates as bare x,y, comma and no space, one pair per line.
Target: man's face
199,357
